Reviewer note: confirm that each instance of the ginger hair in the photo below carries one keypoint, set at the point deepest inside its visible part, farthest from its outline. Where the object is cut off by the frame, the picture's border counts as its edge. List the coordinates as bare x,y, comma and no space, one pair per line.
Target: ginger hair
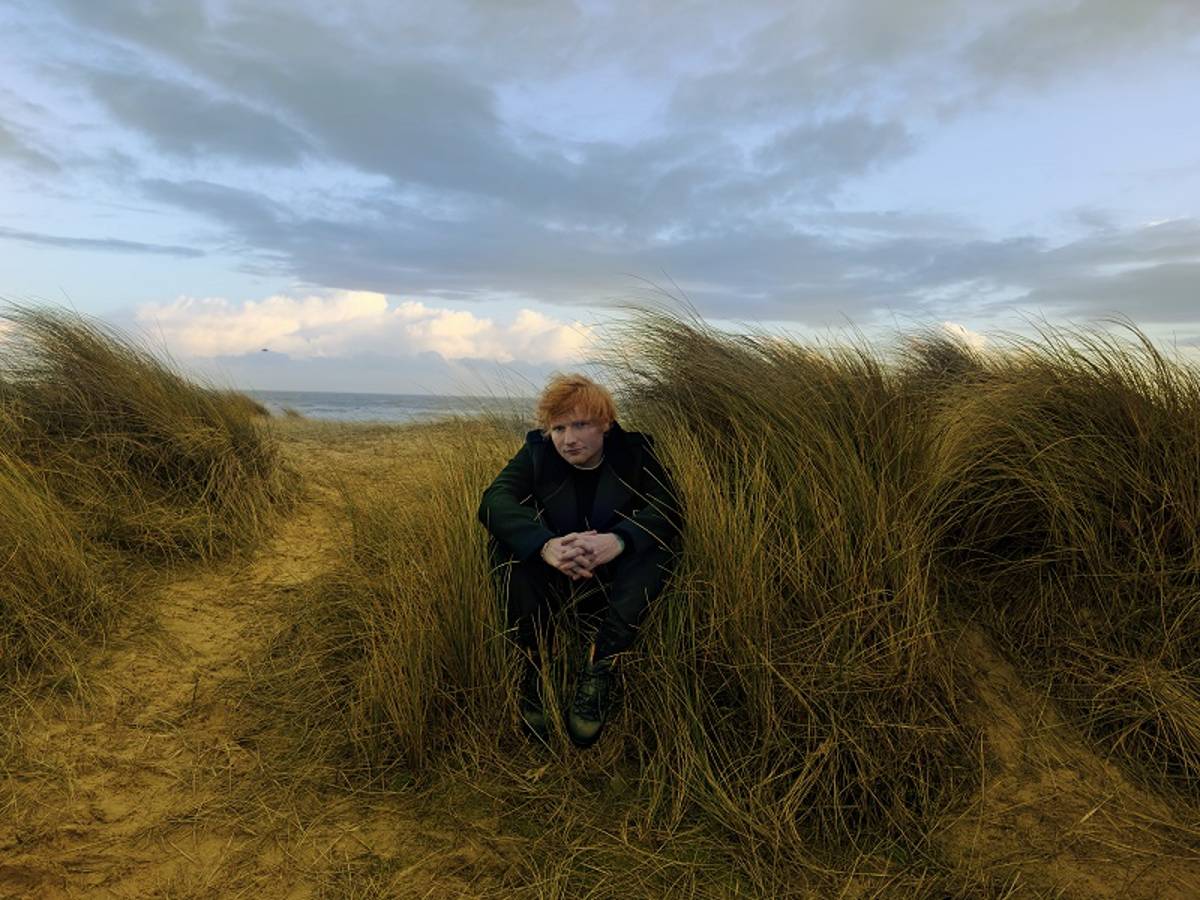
564,394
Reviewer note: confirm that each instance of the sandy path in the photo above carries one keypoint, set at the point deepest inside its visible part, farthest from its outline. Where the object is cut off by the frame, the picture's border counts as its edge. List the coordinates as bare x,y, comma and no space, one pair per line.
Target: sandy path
119,794
140,788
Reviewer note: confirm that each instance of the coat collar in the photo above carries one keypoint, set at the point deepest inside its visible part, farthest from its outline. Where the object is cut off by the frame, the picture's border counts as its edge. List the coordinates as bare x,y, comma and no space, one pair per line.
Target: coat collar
617,453
557,489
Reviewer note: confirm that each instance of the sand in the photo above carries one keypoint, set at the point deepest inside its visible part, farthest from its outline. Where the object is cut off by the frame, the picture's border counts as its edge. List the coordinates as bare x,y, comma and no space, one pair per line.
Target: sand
138,786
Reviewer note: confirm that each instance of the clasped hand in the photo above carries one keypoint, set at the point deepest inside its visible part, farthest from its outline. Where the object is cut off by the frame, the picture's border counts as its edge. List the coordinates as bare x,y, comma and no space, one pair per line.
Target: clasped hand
578,554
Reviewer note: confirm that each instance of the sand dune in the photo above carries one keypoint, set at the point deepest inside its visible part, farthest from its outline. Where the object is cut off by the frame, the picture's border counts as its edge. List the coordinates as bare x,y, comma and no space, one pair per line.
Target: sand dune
142,785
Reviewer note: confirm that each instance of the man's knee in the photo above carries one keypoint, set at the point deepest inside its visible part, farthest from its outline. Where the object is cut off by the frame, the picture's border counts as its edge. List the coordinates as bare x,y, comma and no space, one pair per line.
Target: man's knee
646,571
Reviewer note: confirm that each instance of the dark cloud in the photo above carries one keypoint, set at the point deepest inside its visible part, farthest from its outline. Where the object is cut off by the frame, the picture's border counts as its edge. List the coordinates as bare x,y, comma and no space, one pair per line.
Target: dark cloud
805,271
432,122
252,214
937,58
107,245
1043,41
17,149
826,153
182,119
1155,292
762,121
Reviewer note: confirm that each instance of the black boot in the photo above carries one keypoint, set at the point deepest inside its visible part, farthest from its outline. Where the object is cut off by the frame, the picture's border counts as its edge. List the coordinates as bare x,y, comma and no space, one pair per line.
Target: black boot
530,703
592,703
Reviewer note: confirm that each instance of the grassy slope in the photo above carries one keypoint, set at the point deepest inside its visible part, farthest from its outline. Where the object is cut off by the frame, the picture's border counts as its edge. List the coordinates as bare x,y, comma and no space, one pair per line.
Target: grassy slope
801,714
797,691
166,782
1042,813
111,463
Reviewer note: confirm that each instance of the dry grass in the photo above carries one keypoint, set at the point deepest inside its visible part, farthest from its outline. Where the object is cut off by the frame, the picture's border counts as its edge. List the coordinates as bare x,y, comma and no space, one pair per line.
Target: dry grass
110,460
1067,470
396,648
791,700
155,465
798,685
55,584
795,712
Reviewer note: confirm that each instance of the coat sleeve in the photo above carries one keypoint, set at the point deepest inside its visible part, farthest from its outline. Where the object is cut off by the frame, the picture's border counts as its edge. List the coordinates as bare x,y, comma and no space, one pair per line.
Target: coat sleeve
656,519
507,510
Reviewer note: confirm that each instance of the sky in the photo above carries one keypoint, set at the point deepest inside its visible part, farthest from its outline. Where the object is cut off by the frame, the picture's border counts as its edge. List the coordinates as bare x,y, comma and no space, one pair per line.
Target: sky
430,197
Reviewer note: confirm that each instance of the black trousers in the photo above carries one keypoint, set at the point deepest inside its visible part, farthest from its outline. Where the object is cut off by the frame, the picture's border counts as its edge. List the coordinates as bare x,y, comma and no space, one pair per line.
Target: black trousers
614,601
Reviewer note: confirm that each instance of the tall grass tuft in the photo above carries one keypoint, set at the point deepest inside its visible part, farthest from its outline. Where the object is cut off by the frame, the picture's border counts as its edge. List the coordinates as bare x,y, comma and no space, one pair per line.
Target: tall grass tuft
791,687
395,657
1068,472
153,463
53,586
795,684
110,460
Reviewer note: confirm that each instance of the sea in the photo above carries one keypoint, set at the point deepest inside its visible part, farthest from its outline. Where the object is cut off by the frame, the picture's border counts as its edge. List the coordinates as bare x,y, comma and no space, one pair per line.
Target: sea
395,408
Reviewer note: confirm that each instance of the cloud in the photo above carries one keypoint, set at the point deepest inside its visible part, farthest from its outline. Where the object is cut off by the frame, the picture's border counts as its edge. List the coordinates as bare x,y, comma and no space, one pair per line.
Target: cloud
17,148
189,121
1148,272
815,270
347,323
830,150
962,333
1039,43
425,118
107,245
547,150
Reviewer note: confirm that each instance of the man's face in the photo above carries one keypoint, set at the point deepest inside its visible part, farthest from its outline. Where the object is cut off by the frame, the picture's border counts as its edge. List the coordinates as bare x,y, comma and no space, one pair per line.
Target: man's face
578,439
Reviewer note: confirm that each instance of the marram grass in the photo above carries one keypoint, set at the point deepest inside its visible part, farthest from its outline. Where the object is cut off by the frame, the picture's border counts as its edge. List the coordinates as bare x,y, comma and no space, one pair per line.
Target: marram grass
110,464
155,464
797,688
810,693
1069,469
53,588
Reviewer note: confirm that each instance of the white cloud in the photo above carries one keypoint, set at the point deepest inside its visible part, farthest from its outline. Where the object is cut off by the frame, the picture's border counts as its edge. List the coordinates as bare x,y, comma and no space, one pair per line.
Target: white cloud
346,323
972,339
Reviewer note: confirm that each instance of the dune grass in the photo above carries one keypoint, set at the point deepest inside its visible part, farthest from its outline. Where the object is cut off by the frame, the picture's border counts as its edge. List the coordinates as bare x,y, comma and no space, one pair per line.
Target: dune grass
389,654
793,709
54,584
111,463
157,465
809,693
791,690
1068,467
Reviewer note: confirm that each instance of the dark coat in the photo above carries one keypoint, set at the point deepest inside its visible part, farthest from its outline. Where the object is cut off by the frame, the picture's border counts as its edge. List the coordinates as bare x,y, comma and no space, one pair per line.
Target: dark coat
533,498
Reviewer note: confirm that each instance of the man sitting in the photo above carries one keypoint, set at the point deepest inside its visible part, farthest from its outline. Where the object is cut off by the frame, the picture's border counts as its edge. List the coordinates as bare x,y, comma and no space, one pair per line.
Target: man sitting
583,501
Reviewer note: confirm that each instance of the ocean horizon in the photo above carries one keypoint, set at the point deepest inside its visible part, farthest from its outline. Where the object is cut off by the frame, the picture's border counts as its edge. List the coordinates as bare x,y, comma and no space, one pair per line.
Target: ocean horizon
345,406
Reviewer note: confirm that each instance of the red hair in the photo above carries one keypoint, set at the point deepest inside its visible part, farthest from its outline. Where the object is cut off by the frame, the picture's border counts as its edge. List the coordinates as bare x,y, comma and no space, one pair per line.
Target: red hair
564,394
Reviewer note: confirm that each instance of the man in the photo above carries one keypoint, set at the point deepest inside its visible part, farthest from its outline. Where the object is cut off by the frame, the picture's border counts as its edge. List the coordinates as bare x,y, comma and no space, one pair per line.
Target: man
583,503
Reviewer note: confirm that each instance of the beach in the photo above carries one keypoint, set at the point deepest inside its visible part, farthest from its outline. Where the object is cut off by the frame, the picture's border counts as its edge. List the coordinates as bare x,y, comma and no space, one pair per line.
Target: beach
927,634
149,782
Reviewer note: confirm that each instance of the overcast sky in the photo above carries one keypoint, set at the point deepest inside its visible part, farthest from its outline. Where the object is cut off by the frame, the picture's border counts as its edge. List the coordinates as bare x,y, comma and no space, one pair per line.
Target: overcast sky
393,196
